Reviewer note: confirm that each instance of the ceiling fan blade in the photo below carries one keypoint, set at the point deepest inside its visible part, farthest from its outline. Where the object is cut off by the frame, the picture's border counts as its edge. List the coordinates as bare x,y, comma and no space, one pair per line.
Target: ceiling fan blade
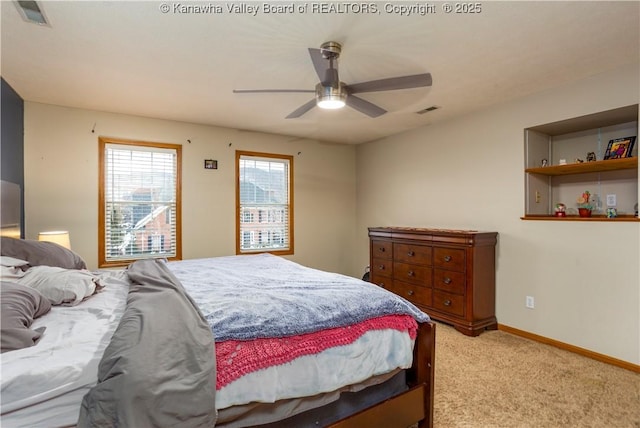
302,109
319,62
392,83
262,91
365,107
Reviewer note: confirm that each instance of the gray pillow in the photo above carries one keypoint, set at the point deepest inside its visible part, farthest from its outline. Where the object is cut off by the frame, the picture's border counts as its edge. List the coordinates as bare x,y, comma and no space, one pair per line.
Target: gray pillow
41,253
20,305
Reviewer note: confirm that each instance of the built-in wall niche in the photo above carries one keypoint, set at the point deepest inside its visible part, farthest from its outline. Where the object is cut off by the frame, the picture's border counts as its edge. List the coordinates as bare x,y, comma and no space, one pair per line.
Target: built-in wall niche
559,166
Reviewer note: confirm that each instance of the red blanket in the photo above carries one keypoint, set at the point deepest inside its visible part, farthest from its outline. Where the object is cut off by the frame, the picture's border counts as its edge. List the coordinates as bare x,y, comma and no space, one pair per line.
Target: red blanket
237,358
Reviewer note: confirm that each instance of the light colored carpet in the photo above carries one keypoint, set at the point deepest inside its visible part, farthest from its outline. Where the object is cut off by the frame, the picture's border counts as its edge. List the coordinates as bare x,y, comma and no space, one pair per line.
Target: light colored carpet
501,380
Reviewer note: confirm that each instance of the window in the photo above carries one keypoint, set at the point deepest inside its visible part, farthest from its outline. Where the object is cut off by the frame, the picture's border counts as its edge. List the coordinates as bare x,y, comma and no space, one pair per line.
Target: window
264,203
247,217
140,201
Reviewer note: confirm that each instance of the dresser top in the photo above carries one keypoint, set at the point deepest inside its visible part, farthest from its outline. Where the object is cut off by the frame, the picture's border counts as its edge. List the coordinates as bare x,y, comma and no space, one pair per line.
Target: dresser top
436,235
429,231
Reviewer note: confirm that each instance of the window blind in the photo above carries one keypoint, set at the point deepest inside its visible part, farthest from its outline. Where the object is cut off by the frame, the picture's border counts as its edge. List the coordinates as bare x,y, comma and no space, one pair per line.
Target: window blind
264,193
140,197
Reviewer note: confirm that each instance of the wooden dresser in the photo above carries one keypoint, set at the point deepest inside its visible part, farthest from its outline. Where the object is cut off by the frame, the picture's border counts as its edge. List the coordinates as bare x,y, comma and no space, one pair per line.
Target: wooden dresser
450,274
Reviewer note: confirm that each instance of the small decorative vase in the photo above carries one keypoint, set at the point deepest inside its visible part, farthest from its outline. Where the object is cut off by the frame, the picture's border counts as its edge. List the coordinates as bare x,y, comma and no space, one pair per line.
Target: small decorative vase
584,212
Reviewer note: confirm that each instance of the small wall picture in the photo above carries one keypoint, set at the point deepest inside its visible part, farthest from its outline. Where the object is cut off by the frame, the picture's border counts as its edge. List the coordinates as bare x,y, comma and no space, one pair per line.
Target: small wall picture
620,148
210,164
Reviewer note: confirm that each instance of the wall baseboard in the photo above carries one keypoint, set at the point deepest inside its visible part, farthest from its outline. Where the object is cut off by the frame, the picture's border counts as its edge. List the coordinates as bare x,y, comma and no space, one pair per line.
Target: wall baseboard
575,349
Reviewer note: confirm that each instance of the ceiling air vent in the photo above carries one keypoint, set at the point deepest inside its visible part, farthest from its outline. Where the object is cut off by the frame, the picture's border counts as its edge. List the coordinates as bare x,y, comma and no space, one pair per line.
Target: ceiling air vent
31,12
428,109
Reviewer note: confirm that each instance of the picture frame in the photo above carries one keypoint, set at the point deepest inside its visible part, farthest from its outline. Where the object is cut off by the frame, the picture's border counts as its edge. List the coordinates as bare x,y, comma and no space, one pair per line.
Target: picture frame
210,164
620,148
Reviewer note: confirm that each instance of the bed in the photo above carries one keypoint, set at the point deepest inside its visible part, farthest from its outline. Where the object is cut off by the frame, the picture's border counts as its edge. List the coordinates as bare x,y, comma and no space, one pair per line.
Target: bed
212,342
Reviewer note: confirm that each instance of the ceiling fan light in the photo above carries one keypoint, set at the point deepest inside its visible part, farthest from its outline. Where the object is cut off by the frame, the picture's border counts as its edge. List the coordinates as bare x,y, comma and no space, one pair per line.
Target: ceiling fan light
331,103
328,97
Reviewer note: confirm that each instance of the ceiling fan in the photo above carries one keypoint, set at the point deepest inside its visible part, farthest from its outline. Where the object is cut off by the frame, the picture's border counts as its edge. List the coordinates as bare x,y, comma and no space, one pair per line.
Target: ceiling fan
331,93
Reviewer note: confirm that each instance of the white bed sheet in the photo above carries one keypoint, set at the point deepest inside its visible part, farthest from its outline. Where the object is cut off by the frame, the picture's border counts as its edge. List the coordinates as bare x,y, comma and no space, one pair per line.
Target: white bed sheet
327,371
46,382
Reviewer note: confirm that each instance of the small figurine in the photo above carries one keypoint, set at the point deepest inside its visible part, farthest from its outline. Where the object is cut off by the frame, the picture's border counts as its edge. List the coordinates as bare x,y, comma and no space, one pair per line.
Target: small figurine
578,160
585,204
584,200
612,213
591,157
544,162
560,210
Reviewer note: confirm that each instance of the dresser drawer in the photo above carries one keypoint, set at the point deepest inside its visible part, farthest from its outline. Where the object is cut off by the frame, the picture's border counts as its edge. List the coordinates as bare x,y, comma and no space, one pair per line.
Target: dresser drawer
448,302
382,281
415,274
381,249
413,293
415,254
450,281
449,258
382,267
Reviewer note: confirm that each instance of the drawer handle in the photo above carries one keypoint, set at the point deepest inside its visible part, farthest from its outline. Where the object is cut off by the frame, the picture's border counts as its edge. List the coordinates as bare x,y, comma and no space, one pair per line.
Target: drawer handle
410,292
447,258
382,249
411,254
447,302
381,267
411,273
447,280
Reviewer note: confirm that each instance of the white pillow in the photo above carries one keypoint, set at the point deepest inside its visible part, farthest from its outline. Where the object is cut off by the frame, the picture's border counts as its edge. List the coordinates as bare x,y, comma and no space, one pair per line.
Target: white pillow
11,273
12,261
61,286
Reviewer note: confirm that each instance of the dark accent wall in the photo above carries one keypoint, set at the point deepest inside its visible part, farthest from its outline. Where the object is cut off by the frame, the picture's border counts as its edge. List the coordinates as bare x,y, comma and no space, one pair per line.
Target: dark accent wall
12,141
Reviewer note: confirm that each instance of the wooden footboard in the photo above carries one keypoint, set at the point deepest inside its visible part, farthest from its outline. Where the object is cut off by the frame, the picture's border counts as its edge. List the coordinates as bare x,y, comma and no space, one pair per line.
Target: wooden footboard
412,406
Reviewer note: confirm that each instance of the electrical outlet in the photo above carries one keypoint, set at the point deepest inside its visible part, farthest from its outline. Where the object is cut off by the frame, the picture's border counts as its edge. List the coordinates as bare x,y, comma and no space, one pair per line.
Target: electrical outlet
611,200
529,302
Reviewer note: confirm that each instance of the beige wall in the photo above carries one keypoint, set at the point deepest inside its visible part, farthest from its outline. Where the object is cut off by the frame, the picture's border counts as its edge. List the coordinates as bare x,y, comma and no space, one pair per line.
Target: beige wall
468,173
61,182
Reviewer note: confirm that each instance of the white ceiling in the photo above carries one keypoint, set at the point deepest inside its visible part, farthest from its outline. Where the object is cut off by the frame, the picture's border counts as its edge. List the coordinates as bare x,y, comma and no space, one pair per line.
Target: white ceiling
129,57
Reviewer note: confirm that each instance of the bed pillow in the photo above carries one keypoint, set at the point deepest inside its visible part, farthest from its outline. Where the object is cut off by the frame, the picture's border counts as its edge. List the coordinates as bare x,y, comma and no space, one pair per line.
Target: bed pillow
39,253
61,286
20,305
12,268
12,262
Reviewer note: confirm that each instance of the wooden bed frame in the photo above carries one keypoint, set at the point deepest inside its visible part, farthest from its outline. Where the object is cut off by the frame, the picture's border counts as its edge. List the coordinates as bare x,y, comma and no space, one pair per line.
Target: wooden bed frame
413,406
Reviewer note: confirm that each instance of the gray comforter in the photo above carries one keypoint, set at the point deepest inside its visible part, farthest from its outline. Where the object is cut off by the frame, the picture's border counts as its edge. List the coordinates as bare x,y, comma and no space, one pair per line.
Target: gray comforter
263,296
159,369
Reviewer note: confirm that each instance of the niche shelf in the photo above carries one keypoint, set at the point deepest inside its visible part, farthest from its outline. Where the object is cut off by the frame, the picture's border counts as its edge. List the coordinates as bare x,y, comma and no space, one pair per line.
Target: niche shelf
571,140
